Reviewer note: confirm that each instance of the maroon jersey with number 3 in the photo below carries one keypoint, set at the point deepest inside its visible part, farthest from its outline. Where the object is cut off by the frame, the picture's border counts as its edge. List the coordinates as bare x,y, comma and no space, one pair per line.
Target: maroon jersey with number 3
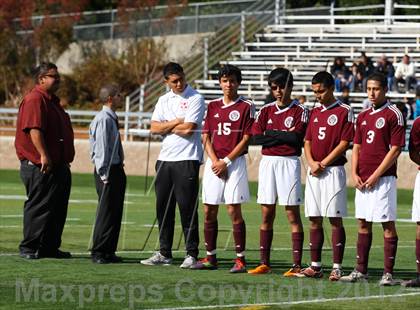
226,124
414,143
327,127
271,117
376,131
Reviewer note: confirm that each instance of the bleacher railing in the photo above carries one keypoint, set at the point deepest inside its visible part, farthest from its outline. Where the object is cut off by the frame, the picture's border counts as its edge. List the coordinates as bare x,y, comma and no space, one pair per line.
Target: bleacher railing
228,38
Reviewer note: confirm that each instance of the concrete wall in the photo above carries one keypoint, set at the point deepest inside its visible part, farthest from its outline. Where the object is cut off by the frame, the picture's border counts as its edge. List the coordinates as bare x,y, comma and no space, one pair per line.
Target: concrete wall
179,48
136,161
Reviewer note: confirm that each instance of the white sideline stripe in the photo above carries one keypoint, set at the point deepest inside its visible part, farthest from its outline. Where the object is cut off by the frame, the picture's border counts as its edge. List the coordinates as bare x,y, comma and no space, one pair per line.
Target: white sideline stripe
88,253
13,197
298,302
183,251
23,197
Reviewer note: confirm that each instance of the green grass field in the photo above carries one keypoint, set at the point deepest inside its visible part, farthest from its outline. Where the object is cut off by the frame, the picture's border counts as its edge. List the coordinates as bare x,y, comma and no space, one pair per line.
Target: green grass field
77,283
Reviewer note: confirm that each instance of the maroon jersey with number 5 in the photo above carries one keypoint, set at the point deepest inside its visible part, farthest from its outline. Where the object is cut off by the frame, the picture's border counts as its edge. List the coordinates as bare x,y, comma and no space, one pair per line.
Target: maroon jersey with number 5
376,131
226,124
327,127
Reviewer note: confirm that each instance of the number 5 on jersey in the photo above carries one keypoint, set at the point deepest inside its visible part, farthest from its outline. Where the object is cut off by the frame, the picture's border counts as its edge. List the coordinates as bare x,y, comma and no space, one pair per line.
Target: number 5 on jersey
224,129
321,133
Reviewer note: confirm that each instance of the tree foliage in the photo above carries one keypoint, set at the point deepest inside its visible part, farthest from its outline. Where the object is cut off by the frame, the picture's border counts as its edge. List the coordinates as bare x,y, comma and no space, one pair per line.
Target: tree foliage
101,66
27,40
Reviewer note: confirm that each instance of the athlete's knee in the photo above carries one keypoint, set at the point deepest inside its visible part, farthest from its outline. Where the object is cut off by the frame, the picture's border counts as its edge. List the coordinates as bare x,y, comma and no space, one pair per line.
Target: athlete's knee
336,222
268,219
365,227
235,214
389,229
316,222
210,214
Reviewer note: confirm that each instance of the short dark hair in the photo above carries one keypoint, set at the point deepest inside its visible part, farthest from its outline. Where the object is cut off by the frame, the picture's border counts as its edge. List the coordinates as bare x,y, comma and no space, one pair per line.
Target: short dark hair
42,70
172,68
229,70
323,77
108,90
379,77
280,76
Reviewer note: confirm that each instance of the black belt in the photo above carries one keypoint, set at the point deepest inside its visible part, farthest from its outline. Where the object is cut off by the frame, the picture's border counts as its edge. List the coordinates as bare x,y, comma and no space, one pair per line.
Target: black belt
29,163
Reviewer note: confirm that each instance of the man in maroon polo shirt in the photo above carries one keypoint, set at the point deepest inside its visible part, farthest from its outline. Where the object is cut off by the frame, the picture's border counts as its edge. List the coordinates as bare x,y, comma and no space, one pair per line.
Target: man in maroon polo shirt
44,146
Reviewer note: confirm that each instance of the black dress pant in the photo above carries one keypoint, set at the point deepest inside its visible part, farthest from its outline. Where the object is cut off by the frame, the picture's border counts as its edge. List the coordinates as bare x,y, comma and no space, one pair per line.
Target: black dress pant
45,209
177,182
109,212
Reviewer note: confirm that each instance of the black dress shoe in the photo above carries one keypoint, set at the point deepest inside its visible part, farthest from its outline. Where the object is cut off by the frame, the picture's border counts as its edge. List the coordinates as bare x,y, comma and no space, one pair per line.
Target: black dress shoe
100,260
114,258
29,255
106,259
55,254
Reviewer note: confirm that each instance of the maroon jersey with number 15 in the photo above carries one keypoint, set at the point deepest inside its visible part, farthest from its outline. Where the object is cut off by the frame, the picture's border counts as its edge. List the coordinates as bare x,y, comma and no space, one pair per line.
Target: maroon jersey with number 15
226,124
376,131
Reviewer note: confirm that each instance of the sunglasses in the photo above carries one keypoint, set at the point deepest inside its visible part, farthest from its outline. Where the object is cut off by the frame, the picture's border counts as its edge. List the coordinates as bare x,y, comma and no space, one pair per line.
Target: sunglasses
275,87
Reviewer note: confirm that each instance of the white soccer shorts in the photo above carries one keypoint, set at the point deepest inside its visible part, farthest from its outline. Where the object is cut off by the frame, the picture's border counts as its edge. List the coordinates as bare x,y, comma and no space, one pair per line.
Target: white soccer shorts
279,179
233,190
378,204
415,214
326,195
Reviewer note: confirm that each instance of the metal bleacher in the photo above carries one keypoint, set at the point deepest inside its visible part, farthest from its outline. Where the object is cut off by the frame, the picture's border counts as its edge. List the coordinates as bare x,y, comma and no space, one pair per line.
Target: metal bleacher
308,48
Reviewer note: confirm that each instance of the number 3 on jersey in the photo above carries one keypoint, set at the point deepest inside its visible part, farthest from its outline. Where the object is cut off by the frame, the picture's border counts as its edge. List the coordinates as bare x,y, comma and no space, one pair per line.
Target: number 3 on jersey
224,129
370,136
321,133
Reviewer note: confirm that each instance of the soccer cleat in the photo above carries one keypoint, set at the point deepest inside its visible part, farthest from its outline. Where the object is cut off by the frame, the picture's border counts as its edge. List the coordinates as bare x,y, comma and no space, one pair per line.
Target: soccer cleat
238,267
261,269
292,272
412,283
204,264
157,259
188,262
335,274
310,273
354,276
388,280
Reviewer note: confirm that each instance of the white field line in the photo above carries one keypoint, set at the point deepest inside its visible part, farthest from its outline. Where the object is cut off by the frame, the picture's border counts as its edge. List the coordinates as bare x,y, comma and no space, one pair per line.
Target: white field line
183,251
298,302
23,197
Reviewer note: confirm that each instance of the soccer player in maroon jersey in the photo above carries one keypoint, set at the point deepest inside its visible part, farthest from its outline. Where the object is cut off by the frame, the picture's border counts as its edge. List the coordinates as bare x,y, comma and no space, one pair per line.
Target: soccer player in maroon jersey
279,128
414,149
379,136
329,133
226,133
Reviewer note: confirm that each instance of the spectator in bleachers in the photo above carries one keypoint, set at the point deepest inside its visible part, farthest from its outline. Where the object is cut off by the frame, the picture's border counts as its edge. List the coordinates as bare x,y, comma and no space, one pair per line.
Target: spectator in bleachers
345,96
385,67
355,79
365,68
405,73
409,107
340,72
302,99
